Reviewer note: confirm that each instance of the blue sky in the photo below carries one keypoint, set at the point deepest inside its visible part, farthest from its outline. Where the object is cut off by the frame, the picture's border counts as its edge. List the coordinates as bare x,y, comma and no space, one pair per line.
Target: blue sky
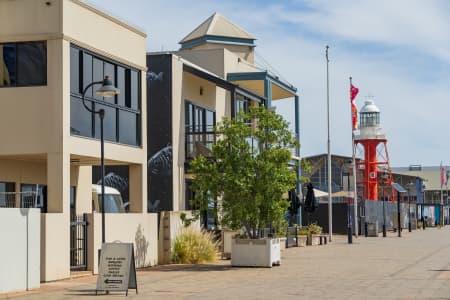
397,51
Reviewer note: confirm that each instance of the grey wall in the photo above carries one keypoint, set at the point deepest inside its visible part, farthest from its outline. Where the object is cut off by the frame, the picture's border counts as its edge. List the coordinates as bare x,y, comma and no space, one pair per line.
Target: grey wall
373,213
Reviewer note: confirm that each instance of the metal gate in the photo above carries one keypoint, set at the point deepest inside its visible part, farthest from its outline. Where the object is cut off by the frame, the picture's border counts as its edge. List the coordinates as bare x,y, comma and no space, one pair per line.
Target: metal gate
78,242
291,237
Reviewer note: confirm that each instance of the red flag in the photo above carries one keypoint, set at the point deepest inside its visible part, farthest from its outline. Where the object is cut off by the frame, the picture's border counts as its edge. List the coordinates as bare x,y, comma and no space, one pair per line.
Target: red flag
353,92
354,117
443,175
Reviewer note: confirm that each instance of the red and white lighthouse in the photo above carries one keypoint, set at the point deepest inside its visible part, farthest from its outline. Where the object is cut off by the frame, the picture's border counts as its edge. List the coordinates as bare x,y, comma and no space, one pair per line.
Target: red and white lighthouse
376,156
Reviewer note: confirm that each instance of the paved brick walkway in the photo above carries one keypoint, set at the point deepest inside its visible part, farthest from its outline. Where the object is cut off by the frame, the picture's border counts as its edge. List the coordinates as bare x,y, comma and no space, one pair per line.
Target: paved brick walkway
416,266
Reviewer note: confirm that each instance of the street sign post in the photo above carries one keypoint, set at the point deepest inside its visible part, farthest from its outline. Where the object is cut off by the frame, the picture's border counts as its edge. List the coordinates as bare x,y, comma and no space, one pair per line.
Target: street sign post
117,271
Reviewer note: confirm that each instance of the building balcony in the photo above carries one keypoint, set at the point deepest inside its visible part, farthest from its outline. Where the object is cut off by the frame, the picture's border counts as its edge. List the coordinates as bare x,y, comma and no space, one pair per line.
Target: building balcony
199,143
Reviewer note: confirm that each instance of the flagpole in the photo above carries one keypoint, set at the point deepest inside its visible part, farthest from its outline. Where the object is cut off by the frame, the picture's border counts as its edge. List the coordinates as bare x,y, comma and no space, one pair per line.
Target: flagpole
355,189
330,209
441,221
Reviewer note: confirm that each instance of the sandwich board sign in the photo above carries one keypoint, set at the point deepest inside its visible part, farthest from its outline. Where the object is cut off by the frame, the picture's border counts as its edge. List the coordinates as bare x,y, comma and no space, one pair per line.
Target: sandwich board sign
117,271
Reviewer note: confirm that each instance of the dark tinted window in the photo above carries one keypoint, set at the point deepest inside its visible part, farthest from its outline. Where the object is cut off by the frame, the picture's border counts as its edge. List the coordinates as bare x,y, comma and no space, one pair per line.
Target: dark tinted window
31,64
75,67
122,121
199,119
7,64
34,195
121,86
87,73
109,123
111,73
80,118
210,121
128,88
127,130
97,69
134,84
199,126
241,105
23,64
6,199
72,197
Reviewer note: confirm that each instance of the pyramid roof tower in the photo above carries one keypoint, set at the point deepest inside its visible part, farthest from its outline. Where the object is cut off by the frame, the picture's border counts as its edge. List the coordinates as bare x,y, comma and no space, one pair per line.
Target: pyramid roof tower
217,29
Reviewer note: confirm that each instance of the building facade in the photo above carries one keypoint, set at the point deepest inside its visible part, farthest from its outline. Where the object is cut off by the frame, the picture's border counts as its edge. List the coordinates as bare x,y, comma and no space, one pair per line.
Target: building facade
49,52
367,210
432,197
213,75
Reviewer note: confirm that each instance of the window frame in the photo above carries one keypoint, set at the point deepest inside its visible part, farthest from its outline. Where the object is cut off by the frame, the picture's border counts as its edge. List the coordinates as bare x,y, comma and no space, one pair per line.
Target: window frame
45,72
204,130
10,187
204,109
93,100
41,189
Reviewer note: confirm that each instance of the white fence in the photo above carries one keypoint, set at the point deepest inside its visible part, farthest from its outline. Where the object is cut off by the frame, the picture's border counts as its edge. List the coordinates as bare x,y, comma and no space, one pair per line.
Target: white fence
19,199
20,233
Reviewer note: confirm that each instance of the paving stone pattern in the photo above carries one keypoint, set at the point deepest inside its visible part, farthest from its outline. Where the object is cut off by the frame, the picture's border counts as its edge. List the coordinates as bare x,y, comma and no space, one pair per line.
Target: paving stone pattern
415,266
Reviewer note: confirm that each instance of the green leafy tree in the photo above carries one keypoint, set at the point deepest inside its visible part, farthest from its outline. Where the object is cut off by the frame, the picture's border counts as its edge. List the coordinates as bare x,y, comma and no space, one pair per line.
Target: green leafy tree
249,171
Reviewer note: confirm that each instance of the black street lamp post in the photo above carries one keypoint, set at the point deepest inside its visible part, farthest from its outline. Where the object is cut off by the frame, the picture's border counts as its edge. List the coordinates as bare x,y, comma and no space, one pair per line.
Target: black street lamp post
422,208
384,215
349,214
409,206
398,215
409,213
106,90
385,179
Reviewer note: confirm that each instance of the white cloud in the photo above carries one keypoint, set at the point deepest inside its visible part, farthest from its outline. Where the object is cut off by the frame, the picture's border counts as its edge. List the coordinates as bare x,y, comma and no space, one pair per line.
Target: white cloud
412,23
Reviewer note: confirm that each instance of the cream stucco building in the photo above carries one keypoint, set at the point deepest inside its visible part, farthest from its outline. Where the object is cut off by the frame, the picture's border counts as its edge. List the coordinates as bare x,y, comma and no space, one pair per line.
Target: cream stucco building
211,76
49,51
163,117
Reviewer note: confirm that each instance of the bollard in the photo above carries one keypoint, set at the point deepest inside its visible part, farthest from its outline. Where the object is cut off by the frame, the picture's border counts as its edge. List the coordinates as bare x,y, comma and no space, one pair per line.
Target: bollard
366,230
350,235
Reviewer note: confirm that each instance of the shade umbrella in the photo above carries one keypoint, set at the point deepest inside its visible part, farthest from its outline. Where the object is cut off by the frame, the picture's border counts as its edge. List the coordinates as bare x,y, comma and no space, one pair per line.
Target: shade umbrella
320,194
348,194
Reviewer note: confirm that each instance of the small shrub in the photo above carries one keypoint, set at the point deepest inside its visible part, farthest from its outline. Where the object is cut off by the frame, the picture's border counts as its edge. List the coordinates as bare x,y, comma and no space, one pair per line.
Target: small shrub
194,247
303,231
315,229
185,220
280,227
419,224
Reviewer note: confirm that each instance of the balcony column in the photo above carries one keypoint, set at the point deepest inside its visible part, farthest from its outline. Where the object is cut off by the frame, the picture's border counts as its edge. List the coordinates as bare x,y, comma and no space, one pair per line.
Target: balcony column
138,188
58,182
233,103
268,92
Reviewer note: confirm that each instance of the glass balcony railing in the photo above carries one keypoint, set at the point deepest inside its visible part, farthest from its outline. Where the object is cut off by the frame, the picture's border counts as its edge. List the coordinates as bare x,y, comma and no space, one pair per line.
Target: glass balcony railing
199,144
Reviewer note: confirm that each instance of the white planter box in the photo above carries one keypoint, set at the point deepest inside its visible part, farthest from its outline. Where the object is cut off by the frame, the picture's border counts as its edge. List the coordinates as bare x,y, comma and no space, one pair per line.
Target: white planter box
302,239
313,240
255,253
282,243
227,236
